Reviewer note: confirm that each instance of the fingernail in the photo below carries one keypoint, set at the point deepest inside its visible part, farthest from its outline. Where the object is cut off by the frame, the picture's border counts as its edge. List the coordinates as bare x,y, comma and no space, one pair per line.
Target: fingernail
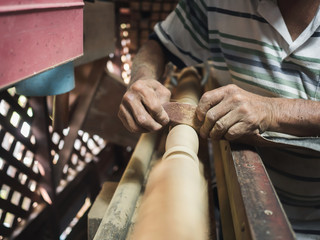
157,127
165,118
199,116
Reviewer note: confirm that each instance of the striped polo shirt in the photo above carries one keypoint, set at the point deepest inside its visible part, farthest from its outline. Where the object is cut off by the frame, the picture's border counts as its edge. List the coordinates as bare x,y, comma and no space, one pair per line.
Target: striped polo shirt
248,44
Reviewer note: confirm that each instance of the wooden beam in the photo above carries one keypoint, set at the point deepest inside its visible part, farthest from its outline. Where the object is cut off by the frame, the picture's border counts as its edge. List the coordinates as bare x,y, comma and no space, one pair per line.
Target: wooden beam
102,117
256,210
79,116
44,144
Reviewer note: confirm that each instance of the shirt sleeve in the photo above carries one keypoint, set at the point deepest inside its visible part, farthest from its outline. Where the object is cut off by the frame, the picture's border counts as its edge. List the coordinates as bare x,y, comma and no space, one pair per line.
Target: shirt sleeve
169,56
184,33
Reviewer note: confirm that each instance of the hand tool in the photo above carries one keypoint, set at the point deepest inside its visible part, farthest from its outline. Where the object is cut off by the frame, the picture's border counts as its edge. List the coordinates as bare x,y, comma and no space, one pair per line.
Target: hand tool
183,113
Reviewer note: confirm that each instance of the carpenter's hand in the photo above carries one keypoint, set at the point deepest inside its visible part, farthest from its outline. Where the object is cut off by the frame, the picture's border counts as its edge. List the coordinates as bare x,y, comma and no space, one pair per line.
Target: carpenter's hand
141,107
232,112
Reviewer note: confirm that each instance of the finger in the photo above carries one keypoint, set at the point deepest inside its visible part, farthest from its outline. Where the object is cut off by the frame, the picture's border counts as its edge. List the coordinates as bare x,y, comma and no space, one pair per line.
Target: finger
238,130
137,110
154,107
222,126
212,116
142,117
208,123
153,96
207,101
128,121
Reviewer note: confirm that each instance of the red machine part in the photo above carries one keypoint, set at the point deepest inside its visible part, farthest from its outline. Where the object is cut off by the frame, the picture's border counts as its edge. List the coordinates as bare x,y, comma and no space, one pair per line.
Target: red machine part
37,35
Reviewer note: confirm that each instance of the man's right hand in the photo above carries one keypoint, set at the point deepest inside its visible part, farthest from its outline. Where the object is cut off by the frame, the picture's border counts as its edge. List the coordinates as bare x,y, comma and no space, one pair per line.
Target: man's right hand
141,107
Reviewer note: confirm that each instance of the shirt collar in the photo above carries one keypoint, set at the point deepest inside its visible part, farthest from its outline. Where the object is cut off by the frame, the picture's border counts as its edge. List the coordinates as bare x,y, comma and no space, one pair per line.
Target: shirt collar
270,11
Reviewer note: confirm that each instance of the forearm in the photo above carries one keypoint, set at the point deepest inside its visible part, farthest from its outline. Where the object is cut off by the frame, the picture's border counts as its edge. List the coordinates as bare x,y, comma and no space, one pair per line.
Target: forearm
295,116
149,63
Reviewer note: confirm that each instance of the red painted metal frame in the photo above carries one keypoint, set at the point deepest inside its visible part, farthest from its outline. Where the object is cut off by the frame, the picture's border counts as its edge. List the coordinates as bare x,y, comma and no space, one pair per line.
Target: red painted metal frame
37,35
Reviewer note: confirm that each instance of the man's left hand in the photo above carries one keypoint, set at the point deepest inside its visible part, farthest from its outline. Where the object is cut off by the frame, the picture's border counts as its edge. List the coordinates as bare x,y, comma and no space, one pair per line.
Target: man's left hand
232,112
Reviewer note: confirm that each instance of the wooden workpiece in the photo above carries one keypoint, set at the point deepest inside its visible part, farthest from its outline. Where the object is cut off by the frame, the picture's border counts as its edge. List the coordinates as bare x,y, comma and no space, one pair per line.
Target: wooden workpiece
175,204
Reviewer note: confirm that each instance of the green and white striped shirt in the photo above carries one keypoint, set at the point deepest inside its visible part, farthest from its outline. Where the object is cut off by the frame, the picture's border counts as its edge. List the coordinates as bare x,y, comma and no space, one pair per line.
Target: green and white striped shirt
249,45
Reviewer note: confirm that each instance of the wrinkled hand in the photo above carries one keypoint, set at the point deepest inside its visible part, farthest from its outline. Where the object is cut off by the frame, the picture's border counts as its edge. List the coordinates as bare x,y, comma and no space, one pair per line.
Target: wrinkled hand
141,107
232,112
